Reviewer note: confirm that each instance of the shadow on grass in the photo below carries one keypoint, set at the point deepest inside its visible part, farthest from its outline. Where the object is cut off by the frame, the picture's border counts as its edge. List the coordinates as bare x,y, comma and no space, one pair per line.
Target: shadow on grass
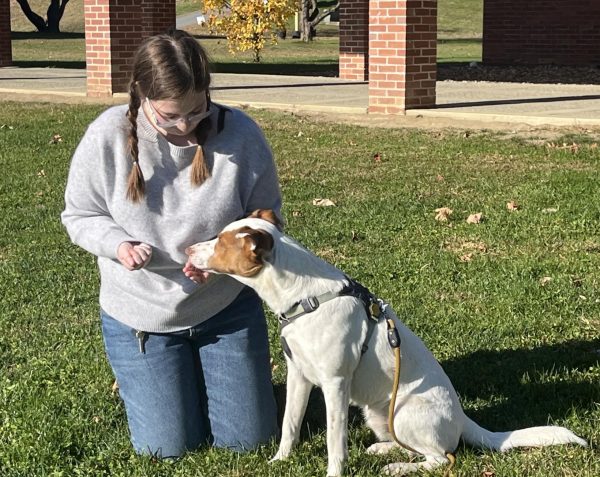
35,35
511,377
292,69
497,377
314,420
449,41
71,65
538,74
295,69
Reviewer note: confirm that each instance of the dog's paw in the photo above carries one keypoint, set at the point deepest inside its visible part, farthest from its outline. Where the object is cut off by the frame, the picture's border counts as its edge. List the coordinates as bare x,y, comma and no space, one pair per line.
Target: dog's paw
279,456
399,468
381,448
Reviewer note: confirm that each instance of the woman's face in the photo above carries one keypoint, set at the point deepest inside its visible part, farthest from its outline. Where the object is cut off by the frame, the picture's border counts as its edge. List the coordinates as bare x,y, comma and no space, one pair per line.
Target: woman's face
178,117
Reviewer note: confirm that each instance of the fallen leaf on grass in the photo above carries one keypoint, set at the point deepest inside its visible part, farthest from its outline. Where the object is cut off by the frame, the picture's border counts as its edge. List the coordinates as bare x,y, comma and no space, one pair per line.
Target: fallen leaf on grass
550,210
573,147
56,139
377,157
512,206
475,218
443,214
545,280
323,203
42,173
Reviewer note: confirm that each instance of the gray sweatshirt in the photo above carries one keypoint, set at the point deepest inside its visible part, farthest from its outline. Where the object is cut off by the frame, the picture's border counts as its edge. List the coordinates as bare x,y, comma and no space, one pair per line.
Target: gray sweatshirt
173,215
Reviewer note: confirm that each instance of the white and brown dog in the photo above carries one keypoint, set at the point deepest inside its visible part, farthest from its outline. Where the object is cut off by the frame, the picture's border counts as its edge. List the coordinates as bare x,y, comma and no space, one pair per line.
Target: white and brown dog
330,342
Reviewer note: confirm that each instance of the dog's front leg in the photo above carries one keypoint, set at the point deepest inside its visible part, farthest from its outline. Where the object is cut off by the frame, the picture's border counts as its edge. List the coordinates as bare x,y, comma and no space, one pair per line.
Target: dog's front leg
336,392
298,391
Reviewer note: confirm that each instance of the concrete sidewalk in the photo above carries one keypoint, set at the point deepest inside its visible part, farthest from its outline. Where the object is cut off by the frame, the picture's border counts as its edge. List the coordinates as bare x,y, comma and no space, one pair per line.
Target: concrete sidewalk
524,103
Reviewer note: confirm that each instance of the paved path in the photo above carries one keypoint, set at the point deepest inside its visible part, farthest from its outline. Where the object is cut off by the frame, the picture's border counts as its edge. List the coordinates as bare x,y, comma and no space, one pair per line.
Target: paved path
187,20
533,104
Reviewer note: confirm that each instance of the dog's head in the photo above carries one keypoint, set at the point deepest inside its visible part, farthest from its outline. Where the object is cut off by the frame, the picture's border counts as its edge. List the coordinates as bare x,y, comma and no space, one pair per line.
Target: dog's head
241,249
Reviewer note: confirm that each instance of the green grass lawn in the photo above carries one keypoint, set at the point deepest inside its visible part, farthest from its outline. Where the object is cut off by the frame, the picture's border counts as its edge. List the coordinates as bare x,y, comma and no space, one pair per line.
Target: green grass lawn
511,306
459,35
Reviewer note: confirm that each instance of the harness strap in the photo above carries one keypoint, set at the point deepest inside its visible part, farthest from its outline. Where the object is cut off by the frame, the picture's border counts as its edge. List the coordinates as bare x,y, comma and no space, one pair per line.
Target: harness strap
354,289
306,305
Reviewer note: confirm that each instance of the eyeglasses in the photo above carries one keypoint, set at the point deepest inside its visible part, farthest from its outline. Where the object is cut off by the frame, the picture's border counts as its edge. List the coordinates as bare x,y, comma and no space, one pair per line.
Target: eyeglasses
189,118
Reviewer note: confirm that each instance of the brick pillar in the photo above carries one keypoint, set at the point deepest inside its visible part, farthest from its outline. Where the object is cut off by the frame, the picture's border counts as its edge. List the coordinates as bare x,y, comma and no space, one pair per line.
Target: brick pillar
113,31
5,40
354,40
157,16
402,55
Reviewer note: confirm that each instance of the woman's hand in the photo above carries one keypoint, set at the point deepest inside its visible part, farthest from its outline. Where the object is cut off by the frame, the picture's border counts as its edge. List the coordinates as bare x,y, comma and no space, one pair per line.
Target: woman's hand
195,274
134,255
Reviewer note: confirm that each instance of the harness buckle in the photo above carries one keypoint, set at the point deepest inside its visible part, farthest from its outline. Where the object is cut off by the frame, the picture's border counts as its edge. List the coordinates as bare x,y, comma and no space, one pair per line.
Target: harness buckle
310,304
374,310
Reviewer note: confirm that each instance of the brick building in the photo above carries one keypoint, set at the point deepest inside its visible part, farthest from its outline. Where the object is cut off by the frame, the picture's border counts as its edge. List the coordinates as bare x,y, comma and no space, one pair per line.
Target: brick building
560,32
389,43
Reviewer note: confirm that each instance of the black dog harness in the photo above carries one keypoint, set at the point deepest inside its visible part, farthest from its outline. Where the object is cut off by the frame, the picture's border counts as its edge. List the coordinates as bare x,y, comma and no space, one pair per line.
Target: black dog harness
374,308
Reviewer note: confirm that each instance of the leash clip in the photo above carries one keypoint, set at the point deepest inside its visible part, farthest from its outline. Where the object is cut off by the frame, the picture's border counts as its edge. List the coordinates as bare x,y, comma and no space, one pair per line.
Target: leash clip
393,336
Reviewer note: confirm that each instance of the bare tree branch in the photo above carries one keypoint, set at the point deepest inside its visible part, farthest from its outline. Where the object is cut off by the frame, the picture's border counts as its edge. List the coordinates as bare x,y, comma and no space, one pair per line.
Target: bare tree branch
54,14
33,17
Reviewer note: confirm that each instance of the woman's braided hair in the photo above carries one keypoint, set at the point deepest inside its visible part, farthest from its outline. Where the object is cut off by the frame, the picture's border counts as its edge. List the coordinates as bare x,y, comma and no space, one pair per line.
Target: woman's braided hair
167,67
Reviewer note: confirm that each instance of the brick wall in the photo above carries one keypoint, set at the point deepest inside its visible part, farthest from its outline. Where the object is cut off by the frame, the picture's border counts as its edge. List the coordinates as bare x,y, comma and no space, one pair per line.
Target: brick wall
113,32
157,16
402,55
5,40
354,39
541,32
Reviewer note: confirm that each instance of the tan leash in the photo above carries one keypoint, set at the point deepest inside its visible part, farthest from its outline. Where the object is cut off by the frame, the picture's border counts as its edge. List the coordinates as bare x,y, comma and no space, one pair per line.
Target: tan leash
394,341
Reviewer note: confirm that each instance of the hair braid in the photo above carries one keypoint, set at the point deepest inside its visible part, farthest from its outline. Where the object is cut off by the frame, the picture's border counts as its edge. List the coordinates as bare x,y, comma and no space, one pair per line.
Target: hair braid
135,183
200,170
167,67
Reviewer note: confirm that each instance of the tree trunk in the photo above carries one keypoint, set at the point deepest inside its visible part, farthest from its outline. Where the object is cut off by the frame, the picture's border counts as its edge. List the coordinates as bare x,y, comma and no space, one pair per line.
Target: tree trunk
305,27
311,17
54,14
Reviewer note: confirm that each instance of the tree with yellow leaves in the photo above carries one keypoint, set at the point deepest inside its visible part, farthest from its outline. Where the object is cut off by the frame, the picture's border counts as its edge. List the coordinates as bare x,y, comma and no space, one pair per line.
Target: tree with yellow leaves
248,24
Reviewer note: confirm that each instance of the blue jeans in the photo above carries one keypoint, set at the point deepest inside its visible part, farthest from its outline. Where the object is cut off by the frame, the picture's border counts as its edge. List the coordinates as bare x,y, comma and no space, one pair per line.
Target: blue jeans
208,385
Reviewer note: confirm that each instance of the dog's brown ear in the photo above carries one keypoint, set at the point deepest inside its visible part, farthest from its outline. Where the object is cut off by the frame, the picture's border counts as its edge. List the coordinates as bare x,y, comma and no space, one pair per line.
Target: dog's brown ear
258,245
261,242
268,215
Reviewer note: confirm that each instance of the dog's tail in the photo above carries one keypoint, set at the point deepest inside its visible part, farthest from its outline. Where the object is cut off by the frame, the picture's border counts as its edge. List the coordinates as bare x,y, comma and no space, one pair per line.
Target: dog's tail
531,437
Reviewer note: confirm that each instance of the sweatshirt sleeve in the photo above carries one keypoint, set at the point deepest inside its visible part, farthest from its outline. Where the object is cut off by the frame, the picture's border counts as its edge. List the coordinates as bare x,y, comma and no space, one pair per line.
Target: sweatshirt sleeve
86,216
265,193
